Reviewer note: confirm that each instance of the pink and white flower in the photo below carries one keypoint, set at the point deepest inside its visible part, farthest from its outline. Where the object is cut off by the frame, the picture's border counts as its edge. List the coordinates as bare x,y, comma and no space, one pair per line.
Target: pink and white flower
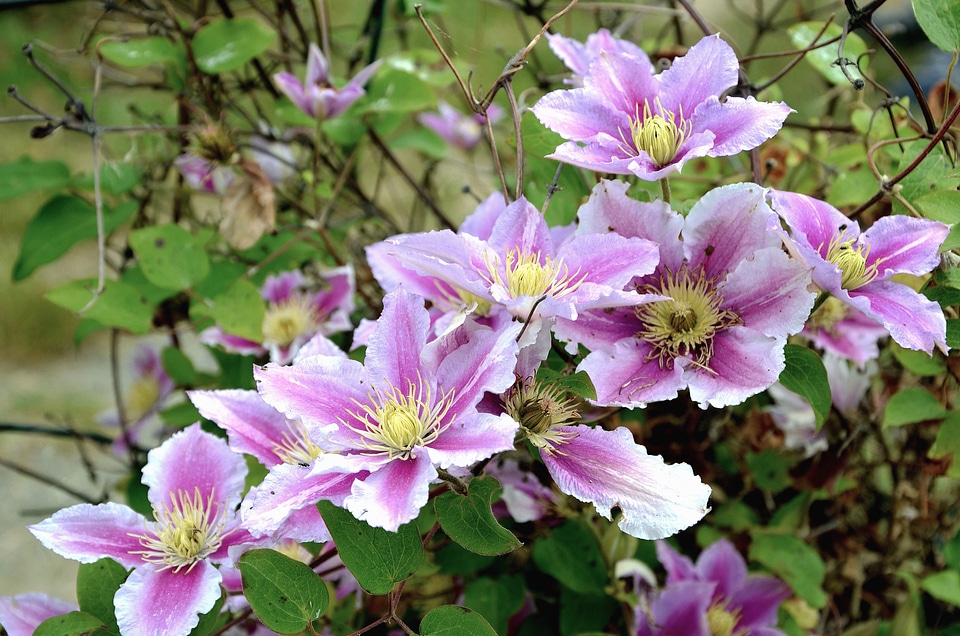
21,615
194,484
316,96
577,56
463,130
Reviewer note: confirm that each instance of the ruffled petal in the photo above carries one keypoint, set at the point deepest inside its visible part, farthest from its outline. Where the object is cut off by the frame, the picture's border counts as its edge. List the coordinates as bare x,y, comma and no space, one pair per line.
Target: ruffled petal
739,124
625,376
708,69
253,426
914,322
722,564
904,245
581,114
609,469
624,82
166,603
21,614
393,495
286,489
393,350
88,533
473,438
744,363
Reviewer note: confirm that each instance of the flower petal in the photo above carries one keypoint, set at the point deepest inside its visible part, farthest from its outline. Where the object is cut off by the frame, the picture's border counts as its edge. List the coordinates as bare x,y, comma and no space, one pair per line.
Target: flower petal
88,533
393,350
758,599
393,495
21,614
682,609
581,114
722,564
473,438
608,469
286,489
904,245
166,603
253,426
624,375
739,124
914,322
289,85
678,567
744,363
708,69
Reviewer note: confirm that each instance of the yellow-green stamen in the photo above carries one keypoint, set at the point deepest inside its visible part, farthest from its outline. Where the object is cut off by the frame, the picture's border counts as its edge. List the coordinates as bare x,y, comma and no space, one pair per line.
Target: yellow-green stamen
852,261
540,408
723,622
395,422
529,274
685,325
659,135
285,321
296,446
187,531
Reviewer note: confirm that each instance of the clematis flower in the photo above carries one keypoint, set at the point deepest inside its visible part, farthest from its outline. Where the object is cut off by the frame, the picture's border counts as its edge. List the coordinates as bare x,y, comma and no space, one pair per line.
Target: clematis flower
463,130
713,596
606,468
734,295
316,95
524,498
194,484
296,311
20,615
628,120
794,415
519,266
577,56
841,330
857,268
406,413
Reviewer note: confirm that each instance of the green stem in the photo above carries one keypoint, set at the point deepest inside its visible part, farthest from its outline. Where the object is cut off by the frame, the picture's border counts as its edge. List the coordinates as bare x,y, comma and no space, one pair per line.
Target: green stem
665,189
822,298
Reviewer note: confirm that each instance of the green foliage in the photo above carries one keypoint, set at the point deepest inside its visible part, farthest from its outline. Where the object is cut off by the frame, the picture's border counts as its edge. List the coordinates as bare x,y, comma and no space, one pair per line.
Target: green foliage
940,20
71,624
97,583
229,43
947,444
806,376
918,362
178,366
378,558
798,564
286,594
469,521
453,620
120,305
944,586
584,612
28,175
912,405
495,599
825,58
769,470
169,256
239,310
572,555
139,52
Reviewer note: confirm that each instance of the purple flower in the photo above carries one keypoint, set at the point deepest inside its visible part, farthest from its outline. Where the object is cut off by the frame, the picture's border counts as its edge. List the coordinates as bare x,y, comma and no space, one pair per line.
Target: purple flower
607,468
143,400
459,129
20,615
578,56
316,96
524,497
628,120
734,295
194,484
296,311
841,330
203,174
713,596
857,268
407,412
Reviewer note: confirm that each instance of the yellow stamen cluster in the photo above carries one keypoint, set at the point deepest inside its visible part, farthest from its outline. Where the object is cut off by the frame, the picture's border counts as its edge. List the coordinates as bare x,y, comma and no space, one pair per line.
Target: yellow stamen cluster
454,299
296,447
722,622
285,321
852,261
187,531
142,397
686,324
658,135
395,422
540,408
527,274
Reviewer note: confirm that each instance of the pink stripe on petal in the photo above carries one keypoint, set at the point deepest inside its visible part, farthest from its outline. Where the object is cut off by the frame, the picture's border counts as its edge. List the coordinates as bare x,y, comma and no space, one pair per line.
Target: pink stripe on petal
914,322
744,362
88,533
166,603
393,350
253,426
708,69
393,495
905,245
623,375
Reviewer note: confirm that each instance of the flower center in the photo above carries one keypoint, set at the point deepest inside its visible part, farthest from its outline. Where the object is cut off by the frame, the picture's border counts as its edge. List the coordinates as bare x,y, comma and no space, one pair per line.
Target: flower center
852,261
658,135
185,532
540,408
396,422
285,321
296,447
832,311
452,298
529,274
686,324
143,395
723,622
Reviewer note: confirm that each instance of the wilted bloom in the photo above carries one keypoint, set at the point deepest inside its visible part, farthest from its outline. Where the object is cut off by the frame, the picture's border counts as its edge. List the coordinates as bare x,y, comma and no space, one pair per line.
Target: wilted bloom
578,56
20,615
628,120
297,309
857,268
407,412
194,484
316,95
463,130
713,597
606,468
734,297
144,398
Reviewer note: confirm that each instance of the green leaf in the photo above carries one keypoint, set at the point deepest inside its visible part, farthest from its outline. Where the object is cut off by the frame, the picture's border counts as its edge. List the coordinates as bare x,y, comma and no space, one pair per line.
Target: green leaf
470,522
71,624
584,612
906,622
453,620
137,53
229,43
941,205
286,594
824,59
455,560
912,405
769,470
395,91
495,599
951,552
239,310
806,376
948,443
953,331
423,139
944,586
794,561
26,175
169,256
210,619
940,20
119,305
178,366
587,573
97,583
377,558
62,222
735,515
919,362
180,415
115,179
934,173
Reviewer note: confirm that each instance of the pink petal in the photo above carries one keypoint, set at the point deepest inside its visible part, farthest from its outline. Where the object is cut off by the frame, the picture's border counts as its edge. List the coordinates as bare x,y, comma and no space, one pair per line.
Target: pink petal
721,563
473,438
21,614
609,469
708,69
289,85
914,322
623,376
678,567
739,124
393,350
267,508
88,533
393,495
625,83
253,426
744,363
318,70
166,603
904,245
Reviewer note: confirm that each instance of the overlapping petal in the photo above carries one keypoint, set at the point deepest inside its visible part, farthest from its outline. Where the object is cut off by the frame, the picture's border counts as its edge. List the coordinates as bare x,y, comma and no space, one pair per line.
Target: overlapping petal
163,603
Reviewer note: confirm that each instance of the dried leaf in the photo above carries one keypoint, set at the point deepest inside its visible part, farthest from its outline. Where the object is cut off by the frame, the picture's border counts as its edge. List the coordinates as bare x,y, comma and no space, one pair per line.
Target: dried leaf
248,207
